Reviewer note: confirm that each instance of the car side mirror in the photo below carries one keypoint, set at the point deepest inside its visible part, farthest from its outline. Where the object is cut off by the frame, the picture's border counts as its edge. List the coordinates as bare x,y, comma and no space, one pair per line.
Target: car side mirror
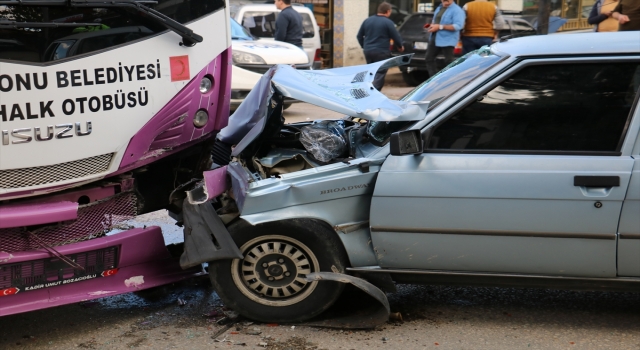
406,142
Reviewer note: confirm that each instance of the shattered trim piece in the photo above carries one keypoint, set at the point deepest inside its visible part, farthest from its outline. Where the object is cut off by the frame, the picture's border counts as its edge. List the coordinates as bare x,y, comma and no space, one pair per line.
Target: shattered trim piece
134,282
358,282
205,236
375,315
214,184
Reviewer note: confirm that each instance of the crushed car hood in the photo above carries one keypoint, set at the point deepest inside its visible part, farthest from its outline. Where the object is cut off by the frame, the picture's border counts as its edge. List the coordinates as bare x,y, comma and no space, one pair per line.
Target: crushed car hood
346,90
349,90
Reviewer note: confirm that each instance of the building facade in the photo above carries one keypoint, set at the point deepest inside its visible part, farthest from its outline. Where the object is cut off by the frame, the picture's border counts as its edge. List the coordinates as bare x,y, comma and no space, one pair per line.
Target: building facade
339,20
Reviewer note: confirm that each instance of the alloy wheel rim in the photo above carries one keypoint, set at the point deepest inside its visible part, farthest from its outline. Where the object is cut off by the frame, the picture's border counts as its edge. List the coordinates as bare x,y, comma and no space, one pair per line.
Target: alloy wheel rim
273,270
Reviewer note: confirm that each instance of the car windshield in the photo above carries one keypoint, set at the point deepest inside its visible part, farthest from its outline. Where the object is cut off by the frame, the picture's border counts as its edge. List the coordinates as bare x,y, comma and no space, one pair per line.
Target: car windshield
440,86
238,32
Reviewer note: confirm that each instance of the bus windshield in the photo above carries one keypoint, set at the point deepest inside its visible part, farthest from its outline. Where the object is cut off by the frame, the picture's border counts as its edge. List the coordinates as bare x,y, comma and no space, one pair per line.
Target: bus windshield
38,33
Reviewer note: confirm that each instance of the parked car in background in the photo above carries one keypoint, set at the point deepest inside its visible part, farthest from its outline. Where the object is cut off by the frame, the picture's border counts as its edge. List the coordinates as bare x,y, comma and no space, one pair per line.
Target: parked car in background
416,39
397,15
260,21
253,57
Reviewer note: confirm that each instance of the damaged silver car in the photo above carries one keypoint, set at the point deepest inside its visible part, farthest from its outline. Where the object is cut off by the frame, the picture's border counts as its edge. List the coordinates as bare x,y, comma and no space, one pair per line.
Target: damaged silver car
512,166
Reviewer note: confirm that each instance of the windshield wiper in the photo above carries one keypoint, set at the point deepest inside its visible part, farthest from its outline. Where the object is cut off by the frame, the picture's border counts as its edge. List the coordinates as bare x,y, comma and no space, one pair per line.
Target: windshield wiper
189,38
15,24
34,2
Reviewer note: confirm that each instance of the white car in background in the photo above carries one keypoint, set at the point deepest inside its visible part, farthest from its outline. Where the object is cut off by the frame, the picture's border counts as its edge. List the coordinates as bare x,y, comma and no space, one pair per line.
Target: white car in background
260,21
252,58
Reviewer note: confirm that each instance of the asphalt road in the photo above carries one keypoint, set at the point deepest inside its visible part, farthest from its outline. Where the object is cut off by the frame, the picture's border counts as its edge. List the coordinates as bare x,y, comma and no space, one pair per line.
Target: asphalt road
433,318
189,315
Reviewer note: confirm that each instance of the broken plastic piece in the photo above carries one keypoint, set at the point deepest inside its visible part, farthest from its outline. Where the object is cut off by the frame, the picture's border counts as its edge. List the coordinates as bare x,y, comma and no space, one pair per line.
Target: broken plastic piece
325,139
371,317
205,236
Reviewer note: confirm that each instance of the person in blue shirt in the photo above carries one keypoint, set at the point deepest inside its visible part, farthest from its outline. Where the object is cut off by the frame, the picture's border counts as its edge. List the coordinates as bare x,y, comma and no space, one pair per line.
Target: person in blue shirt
448,21
288,24
375,36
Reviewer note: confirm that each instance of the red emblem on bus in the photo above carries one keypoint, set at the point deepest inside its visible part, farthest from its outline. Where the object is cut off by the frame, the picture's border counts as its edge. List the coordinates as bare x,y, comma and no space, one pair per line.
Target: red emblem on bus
9,291
109,272
179,68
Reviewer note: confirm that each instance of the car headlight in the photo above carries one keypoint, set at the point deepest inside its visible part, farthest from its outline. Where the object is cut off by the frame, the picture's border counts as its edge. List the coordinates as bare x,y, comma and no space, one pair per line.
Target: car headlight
240,57
200,118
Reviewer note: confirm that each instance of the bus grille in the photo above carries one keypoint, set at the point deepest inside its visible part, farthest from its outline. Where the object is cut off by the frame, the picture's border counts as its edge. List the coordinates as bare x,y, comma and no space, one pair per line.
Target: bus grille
94,220
26,177
52,271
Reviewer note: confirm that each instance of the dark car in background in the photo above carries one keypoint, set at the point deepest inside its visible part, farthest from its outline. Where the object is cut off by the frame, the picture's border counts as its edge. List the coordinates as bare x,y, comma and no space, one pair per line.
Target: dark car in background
416,39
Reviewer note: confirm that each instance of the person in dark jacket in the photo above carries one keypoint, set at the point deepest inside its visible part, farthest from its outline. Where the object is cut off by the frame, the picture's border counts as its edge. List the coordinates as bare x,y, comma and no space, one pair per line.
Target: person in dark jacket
601,16
375,36
288,24
627,13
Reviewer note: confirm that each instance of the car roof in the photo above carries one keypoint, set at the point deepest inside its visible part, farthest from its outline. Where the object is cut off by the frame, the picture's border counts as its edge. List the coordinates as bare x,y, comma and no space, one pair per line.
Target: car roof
572,44
272,7
421,14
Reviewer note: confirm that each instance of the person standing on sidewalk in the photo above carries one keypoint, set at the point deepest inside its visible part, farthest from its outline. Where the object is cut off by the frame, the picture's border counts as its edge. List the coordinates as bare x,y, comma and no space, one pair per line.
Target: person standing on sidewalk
448,21
482,25
288,24
601,16
375,35
627,13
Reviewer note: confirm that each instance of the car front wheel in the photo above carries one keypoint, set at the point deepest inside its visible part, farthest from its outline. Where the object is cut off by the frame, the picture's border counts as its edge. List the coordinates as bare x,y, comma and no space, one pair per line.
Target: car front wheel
268,284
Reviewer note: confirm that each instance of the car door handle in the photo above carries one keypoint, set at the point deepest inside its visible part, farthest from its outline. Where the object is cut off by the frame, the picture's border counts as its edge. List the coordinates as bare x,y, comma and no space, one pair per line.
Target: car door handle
596,181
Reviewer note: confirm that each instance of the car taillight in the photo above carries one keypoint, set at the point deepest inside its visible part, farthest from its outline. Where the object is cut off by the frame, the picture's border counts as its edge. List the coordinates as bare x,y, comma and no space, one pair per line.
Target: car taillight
391,48
457,51
317,57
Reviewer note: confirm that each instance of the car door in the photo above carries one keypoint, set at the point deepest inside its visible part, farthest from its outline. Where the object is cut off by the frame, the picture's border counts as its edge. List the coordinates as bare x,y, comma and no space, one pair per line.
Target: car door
629,228
526,175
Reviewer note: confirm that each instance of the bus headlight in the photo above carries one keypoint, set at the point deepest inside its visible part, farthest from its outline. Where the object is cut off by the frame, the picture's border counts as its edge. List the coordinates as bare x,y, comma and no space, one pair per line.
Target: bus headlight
240,57
200,118
206,84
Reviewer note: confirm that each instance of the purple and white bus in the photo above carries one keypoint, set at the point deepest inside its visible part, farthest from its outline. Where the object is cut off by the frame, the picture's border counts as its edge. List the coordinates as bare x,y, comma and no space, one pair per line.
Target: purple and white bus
105,108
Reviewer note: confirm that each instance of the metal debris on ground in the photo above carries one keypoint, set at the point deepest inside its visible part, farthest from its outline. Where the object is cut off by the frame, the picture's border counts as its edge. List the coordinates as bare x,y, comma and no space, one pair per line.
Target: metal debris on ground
396,316
232,315
213,313
254,331
223,340
297,343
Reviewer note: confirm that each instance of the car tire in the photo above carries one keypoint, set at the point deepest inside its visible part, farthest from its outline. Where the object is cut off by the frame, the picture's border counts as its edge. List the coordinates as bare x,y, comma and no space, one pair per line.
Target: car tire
268,284
414,78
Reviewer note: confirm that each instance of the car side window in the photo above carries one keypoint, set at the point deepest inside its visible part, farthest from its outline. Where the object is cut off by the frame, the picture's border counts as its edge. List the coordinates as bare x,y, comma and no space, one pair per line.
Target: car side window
263,24
62,49
307,26
546,108
260,24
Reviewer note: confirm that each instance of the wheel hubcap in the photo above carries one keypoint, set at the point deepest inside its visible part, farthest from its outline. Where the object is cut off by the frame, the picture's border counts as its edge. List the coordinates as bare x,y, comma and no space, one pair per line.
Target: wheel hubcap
273,270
